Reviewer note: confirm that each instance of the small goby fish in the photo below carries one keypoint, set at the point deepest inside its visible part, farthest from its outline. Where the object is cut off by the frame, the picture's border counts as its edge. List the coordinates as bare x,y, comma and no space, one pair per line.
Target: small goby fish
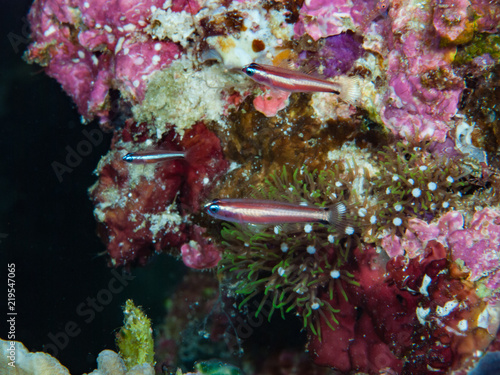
254,211
381,7
291,80
153,156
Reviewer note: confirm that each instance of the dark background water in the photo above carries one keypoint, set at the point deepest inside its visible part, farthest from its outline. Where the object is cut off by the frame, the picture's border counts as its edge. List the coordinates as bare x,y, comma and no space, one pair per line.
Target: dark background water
46,225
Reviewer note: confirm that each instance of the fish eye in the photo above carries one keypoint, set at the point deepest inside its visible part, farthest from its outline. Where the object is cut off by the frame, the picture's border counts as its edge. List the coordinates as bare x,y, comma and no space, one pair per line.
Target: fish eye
213,208
250,69
129,157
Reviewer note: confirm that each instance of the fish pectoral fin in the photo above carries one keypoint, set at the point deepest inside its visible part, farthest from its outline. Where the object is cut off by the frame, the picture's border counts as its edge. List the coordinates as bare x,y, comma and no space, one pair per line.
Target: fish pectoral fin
255,228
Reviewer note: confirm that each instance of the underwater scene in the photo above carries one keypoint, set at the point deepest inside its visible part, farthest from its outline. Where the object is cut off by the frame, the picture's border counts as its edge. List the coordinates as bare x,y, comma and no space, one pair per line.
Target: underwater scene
243,187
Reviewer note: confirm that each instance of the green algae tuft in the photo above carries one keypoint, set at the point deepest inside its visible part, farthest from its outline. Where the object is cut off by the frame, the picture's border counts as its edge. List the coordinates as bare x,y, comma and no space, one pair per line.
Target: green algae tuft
135,339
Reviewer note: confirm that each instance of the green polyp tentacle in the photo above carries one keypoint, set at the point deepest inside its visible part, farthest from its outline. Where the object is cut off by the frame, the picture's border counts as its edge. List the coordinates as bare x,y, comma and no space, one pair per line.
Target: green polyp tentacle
307,314
271,288
349,277
287,301
342,291
327,321
330,307
271,313
313,329
302,299
261,305
313,282
246,299
278,265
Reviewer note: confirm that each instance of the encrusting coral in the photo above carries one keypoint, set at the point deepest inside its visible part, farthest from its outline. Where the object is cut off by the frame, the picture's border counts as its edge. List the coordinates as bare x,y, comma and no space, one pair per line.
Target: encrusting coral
22,362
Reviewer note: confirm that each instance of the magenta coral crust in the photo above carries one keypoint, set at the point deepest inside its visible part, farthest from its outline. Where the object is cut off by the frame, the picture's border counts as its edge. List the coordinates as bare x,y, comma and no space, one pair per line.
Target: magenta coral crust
200,253
450,18
488,13
479,245
271,101
93,46
415,108
323,18
476,244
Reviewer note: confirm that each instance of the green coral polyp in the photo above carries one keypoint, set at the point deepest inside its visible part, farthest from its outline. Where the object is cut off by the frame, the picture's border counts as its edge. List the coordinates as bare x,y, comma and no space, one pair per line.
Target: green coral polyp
414,183
291,265
303,268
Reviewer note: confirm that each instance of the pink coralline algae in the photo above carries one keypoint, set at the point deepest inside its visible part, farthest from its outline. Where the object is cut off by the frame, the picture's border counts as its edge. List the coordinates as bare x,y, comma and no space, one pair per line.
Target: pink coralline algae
199,253
423,90
141,209
322,18
450,18
271,101
93,46
488,15
477,243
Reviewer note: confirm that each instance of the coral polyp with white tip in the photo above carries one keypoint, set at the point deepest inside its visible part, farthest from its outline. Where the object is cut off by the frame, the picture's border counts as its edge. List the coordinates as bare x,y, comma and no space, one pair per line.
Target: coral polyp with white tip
414,183
293,265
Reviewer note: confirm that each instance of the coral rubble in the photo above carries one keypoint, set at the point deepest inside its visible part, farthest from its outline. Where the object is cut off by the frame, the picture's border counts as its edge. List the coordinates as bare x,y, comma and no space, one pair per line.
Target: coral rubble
22,362
414,271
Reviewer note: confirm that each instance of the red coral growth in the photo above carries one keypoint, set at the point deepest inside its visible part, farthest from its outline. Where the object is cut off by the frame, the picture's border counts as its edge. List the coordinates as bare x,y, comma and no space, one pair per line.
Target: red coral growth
200,253
411,316
360,342
141,209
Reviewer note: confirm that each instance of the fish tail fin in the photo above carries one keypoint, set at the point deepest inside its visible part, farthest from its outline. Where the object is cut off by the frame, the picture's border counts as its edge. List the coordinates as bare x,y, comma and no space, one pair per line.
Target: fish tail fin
338,217
350,89
190,155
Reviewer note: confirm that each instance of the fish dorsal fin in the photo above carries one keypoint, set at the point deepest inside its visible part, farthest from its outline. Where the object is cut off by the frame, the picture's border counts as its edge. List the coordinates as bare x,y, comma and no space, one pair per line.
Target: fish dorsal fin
311,68
284,57
287,64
